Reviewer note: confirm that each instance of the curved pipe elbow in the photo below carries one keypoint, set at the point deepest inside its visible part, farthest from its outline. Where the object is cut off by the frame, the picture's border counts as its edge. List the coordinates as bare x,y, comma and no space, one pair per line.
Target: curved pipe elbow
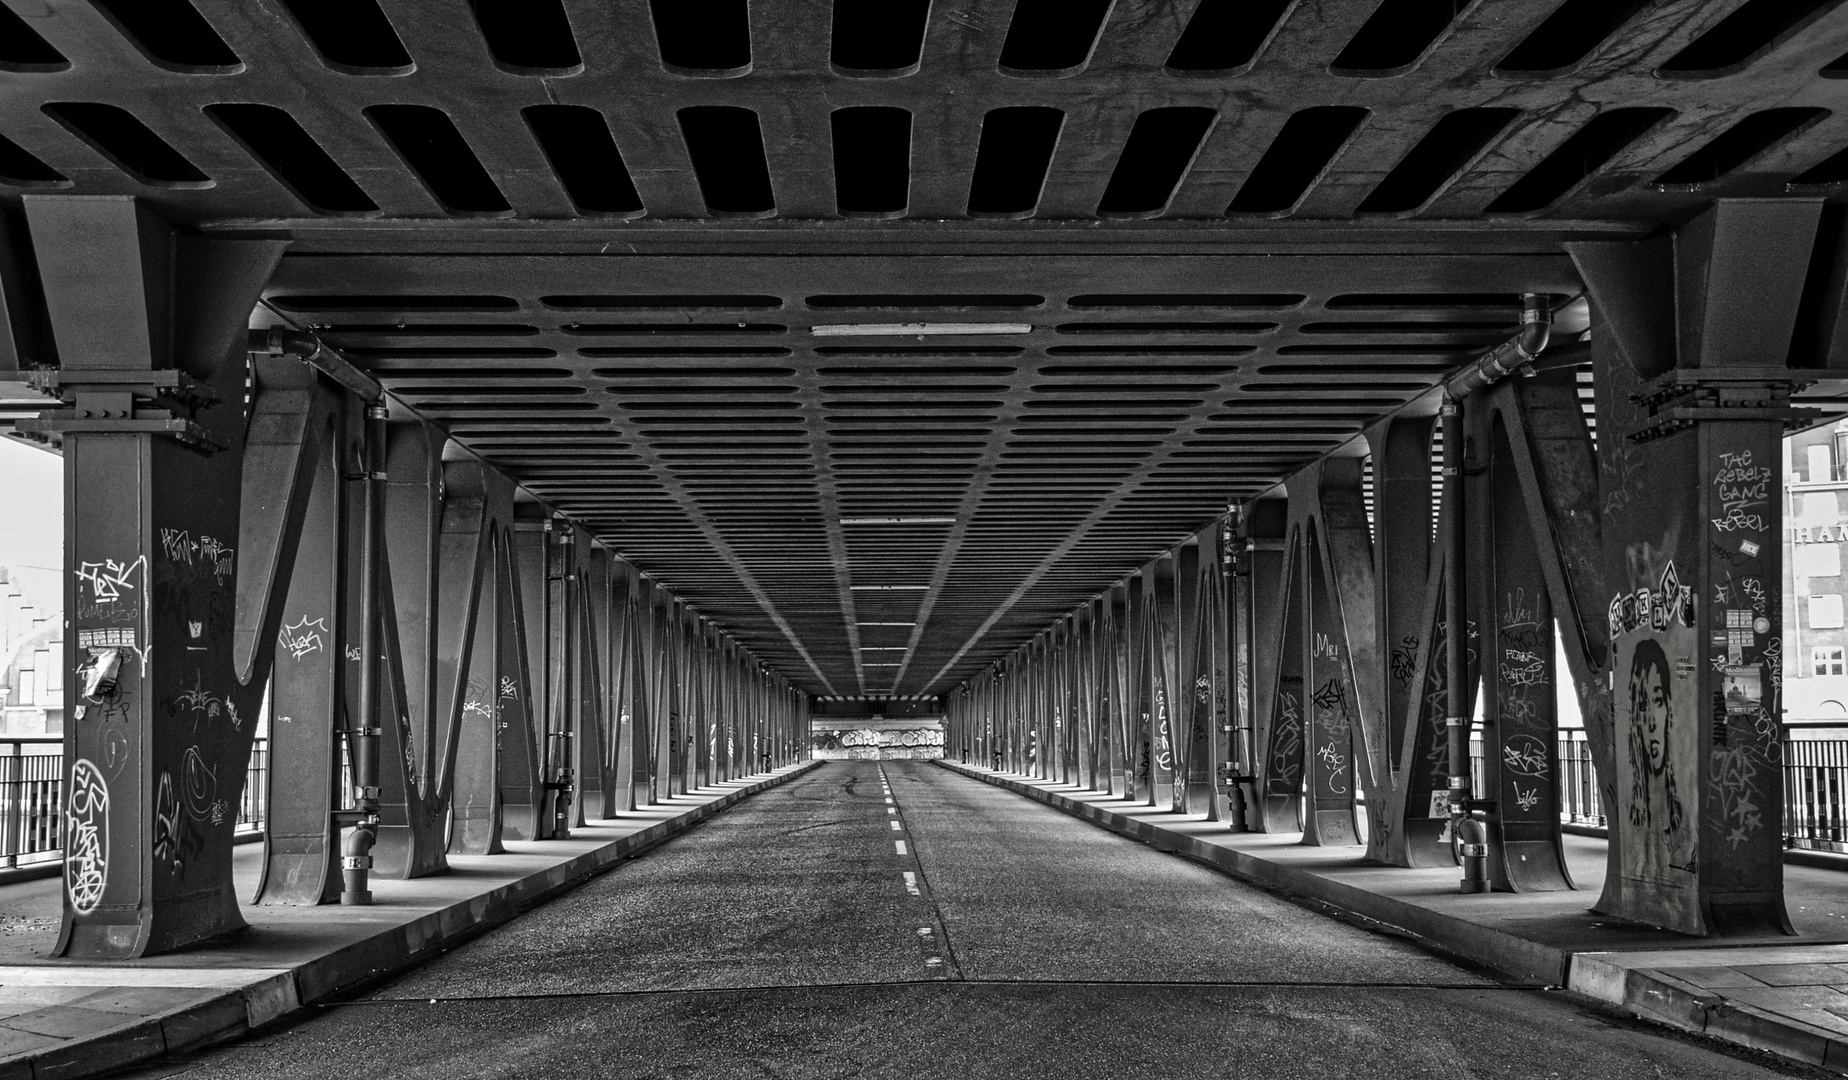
1536,326
361,839
1510,355
277,341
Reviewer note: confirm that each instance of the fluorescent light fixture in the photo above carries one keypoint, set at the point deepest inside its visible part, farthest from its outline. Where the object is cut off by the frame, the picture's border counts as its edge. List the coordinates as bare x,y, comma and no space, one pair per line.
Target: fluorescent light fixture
898,521
885,648
920,329
878,665
888,588
885,624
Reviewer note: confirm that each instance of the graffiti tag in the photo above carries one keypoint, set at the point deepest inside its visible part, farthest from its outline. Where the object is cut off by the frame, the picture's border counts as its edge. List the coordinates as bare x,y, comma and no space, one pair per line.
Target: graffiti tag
1669,603
304,637
86,855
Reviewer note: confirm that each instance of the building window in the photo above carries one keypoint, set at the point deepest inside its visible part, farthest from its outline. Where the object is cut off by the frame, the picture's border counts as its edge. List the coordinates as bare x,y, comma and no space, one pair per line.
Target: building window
1821,470
1825,612
1819,560
1829,660
1819,465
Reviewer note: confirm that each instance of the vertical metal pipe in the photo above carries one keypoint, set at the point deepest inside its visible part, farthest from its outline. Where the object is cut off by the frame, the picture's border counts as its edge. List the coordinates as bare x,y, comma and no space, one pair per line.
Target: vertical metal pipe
1456,712
1470,834
561,606
356,860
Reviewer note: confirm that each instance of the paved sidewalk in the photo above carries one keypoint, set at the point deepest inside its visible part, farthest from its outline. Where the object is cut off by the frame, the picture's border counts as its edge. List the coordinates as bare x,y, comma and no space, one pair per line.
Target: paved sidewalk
61,1018
1785,995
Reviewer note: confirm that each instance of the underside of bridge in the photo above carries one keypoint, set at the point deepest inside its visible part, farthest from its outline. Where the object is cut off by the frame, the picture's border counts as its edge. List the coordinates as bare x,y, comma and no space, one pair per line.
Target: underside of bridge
553,403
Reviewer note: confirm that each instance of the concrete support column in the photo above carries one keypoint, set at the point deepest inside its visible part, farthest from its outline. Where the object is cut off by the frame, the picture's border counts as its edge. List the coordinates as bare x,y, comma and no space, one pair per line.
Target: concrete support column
150,332
1693,380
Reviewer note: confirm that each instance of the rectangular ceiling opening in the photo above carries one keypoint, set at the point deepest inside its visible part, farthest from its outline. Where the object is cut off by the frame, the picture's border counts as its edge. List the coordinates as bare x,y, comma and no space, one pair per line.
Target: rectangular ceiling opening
1306,146
1830,170
583,155
1738,144
316,302
1742,36
934,301
528,37
352,36
1451,144
707,40
1572,32
21,169
1012,160
1155,158
1185,300
883,40
726,146
1047,39
662,302
1224,36
22,49
119,136
172,35
872,160
427,139
1587,151
292,156
1395,36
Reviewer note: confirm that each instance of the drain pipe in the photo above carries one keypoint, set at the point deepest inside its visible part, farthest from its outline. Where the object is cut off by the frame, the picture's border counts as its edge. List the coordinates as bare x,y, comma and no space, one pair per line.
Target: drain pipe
1467,826
363,736
356,861
310,350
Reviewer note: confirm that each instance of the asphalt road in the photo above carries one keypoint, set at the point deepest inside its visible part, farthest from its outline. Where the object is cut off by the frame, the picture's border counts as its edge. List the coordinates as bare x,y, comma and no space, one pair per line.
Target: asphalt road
897,920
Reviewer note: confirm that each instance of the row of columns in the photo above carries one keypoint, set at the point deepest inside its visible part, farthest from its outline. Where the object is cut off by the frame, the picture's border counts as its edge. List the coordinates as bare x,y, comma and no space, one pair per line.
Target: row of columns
1300,682
1129,694
449,665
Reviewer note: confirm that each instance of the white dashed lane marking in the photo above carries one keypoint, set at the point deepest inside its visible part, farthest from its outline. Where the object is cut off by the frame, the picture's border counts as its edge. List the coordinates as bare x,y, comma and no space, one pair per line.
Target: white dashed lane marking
933,947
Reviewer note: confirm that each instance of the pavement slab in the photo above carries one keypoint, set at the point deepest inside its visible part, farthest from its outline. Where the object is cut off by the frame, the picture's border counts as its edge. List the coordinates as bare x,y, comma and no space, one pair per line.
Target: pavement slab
72,1018
1772,993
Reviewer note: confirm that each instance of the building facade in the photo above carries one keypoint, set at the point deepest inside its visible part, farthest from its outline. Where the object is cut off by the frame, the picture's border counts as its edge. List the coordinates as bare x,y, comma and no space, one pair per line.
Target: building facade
1815,662
32,652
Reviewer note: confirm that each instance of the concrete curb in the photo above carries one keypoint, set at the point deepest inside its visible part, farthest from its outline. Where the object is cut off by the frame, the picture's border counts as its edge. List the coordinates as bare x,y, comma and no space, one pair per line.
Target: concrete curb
1665,999
1644,992
238,1012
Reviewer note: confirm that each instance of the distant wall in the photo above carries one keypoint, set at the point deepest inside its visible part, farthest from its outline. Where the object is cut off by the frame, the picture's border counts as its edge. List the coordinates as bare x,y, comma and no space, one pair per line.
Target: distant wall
876,738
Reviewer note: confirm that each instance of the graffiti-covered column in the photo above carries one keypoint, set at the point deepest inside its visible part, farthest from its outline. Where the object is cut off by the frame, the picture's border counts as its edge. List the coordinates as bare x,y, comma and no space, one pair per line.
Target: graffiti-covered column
1513,612
1274,670
1283,651
150,333
1692,393
1163,647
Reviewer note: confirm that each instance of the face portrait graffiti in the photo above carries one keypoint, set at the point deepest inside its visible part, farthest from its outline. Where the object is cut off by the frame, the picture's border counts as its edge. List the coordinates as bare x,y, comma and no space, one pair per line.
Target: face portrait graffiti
1654,796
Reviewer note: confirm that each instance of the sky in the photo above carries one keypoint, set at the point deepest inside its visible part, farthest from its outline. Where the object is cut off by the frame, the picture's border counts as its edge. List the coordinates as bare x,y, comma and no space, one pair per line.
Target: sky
32,519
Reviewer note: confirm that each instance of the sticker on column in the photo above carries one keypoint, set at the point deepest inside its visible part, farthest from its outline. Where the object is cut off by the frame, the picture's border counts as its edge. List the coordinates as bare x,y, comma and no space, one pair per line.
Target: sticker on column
1743,690
1440,805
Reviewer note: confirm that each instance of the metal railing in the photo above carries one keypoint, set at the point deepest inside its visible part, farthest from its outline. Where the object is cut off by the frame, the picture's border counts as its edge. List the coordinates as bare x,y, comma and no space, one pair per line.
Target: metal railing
32,798
1579,802
1815,814
1816,794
